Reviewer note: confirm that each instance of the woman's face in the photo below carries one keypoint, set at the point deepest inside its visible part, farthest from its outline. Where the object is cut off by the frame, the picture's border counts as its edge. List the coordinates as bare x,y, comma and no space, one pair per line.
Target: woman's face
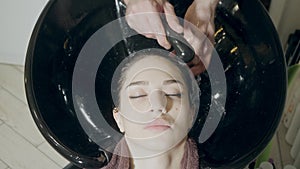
154,104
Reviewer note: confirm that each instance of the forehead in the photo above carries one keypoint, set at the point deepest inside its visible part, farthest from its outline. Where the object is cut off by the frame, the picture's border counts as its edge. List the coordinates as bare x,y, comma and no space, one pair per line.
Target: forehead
153,66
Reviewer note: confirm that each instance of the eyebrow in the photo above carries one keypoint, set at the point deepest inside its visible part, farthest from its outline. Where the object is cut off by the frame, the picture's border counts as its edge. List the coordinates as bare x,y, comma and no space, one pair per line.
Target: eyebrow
144,83
171,81
137,83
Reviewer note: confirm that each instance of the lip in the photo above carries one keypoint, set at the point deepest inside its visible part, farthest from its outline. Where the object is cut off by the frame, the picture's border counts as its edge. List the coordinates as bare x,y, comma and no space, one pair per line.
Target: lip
158,125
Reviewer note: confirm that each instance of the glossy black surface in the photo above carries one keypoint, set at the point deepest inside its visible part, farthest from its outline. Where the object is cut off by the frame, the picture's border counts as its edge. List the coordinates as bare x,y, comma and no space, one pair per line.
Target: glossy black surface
246,42
179,44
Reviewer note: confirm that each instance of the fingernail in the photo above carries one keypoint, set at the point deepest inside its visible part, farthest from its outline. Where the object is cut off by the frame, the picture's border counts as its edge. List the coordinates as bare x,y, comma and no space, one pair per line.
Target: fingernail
180,29
167,45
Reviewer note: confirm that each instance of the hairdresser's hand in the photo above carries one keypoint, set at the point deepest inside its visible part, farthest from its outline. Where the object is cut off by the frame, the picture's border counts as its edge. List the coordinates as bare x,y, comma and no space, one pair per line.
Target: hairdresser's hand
201,14
143,16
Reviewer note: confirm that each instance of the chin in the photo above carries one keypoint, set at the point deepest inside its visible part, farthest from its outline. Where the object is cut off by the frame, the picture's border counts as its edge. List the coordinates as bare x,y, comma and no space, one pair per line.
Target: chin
161,144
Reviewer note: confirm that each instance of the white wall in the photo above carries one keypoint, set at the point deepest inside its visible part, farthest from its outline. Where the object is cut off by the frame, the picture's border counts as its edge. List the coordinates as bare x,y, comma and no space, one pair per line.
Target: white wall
276,10
286,17
17,19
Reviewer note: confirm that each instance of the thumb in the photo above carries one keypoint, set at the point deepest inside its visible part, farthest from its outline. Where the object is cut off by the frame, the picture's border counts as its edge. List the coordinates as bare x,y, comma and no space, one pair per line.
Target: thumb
171,17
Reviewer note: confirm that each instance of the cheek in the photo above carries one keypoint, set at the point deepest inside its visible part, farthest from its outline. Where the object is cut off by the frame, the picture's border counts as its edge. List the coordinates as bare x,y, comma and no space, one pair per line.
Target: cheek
133,105
184,115
179,105
129,126
132,129
173,104
140,105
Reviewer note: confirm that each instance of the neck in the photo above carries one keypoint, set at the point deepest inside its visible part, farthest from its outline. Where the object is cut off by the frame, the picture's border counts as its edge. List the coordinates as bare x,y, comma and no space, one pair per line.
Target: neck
170,159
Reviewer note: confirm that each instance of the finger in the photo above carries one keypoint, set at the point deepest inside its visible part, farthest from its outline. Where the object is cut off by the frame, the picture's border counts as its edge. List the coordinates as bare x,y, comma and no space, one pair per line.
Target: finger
149,35
198,69
139,22
188,35
202,47
207,52
194,62
195,39
162,41
210,32
159,31
139,14
171,17
134,21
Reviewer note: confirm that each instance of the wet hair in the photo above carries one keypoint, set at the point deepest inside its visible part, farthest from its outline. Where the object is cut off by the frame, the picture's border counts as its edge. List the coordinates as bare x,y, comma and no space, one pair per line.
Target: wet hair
121,72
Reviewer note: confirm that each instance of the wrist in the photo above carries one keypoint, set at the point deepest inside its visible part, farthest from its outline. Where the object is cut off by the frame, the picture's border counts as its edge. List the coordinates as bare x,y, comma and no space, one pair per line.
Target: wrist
161,2
158,1
211,3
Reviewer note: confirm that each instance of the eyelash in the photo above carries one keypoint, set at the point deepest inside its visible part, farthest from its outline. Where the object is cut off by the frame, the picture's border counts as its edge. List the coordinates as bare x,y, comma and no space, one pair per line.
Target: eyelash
175,94
136,97
168,95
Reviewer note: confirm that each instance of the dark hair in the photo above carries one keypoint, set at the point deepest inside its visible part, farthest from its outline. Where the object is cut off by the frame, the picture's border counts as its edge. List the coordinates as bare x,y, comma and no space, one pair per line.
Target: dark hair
120,74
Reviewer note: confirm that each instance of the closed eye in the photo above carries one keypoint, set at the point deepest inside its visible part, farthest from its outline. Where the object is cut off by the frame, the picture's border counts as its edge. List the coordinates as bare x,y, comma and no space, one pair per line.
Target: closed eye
173,95
137,96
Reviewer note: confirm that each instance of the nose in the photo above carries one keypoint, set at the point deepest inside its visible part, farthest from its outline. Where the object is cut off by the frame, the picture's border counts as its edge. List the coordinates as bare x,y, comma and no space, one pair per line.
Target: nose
158,101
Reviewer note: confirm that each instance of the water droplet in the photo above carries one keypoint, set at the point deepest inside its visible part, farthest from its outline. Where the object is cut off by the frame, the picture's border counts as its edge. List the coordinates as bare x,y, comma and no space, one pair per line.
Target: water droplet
216,96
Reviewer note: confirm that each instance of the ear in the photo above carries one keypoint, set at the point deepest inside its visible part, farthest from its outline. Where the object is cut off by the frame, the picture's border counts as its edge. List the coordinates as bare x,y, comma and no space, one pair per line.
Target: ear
118,119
